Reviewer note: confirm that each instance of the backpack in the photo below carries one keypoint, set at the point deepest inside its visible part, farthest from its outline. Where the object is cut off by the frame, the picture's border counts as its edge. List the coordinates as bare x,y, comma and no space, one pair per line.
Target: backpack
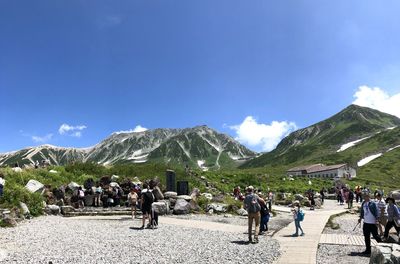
254,206
300,215
148,197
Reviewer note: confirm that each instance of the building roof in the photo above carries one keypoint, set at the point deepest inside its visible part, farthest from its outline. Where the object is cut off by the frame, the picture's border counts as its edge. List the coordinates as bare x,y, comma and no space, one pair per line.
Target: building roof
316,168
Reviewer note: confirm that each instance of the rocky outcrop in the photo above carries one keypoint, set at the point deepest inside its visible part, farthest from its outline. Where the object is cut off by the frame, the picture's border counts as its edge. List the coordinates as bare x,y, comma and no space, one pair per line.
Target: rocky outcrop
385,253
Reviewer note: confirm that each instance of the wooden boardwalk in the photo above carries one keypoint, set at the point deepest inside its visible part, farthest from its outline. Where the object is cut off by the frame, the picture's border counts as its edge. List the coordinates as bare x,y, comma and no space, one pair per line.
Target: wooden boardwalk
336,239
303,249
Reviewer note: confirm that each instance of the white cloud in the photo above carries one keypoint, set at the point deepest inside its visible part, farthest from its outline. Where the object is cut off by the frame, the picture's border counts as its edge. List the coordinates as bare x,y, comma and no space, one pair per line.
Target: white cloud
43,139
262,136
74,131
378,99
138,128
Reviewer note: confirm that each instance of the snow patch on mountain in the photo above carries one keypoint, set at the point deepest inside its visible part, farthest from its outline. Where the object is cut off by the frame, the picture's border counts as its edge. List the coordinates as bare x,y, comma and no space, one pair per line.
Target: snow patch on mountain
201,164
351,144
393,148
368,159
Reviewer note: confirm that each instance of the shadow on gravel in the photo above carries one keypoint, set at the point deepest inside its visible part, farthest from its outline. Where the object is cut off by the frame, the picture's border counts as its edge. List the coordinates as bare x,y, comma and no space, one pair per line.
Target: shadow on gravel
241,242
358,254
136,228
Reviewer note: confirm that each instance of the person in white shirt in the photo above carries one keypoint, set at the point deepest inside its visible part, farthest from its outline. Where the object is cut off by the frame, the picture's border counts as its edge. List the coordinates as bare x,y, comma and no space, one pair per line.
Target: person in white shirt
369,213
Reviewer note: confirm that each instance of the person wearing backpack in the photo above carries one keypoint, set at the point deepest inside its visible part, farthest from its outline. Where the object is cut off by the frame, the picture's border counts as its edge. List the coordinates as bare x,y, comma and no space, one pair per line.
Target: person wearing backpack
298,216
264,216
251,204
369,213
147,199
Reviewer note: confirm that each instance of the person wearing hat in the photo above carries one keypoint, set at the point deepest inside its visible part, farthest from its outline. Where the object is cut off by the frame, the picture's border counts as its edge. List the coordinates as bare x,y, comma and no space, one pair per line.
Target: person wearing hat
369,213
251,204
393,217
296,211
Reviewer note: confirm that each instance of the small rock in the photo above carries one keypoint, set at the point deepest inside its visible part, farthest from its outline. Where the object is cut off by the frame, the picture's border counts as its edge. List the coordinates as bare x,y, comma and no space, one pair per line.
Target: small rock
168,195
9,221
217,207
73,185
24,208
53,209
208,196
161,207
34,186
184,197
242,212
53,171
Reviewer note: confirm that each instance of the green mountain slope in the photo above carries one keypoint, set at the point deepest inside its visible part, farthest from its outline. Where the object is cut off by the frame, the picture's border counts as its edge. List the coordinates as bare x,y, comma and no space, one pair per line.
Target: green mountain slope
322,140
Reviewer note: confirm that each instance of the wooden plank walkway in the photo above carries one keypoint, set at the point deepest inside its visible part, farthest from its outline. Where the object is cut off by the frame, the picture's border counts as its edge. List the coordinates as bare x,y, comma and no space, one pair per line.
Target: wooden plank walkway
305,246
338,239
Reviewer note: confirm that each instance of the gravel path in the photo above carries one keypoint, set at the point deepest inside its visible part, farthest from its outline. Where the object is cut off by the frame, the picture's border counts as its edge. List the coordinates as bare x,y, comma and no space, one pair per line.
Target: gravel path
276,222
346,222
67,240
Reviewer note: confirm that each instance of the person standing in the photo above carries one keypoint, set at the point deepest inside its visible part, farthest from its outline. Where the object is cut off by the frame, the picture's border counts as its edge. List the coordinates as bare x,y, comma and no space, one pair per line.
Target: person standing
132,199
298,216
2,182
264,212
350,199
382,213
369,213
251,204
322,193
393,217
147,199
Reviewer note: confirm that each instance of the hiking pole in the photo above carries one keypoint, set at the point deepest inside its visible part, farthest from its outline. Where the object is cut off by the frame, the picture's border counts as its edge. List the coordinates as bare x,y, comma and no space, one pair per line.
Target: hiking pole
356,226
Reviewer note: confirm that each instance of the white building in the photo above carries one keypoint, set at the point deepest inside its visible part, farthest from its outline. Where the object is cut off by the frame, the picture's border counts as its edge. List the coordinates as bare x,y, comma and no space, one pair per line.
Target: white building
323,171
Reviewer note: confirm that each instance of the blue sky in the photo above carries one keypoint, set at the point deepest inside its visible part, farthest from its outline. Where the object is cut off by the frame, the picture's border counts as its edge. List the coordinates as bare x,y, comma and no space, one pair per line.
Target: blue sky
237,66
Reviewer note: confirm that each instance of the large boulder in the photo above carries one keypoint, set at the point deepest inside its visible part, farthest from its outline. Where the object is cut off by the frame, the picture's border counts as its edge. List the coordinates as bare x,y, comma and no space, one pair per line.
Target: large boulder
382,254
161,207
217,207
114,177
168,195
52,209
73,185
181,207
34,186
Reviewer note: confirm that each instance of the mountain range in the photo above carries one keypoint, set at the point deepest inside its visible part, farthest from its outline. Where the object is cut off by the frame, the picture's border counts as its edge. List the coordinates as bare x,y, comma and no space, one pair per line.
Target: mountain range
199,146
356,135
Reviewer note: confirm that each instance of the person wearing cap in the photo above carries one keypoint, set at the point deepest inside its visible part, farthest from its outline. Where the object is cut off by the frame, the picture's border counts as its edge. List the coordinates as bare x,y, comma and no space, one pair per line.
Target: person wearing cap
393,216
369,213
251,204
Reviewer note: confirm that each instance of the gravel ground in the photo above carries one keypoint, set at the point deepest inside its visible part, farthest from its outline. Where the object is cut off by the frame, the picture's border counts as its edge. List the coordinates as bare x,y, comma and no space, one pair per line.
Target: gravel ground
343,254
346,222
334,254
54,239
276,222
